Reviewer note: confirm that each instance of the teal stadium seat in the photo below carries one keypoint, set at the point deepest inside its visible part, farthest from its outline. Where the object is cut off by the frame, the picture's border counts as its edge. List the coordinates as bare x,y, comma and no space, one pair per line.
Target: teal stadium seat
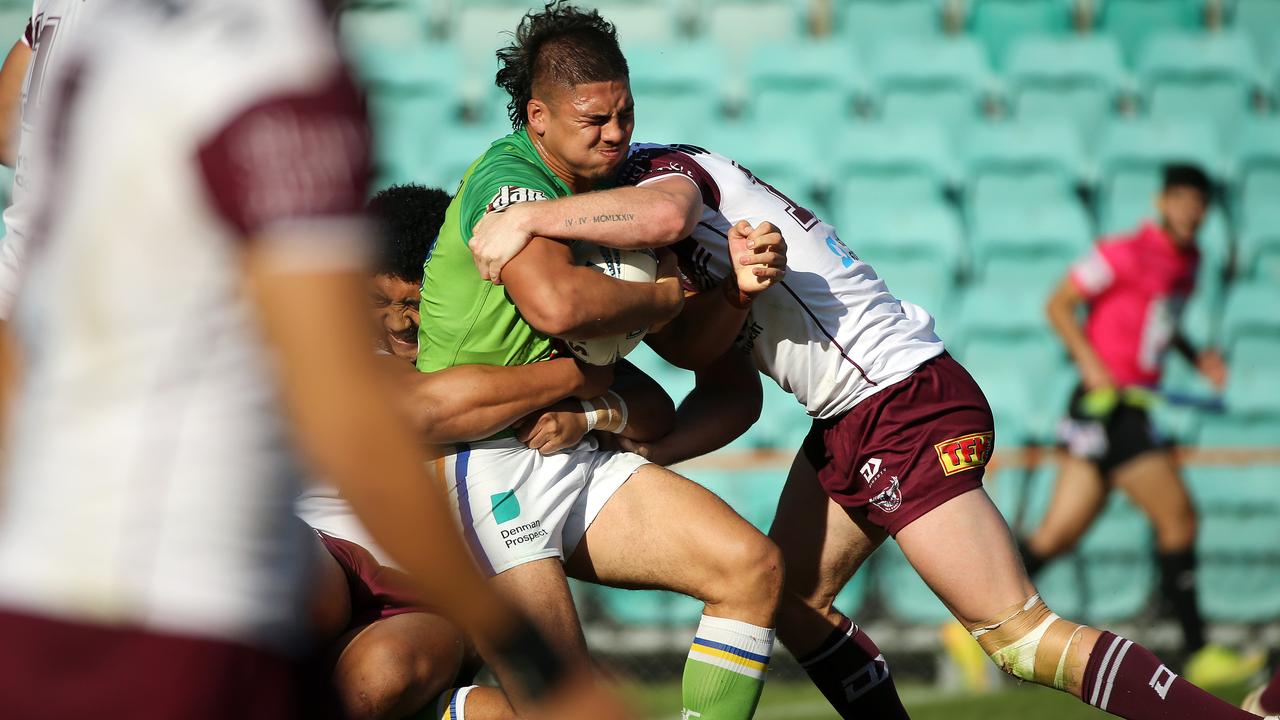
999,23
1252,389
1260,19
1027,161
891,164
1256,174
1239,541
641,21
729,23
1259,249
1008,308
1133,22
1075,77
1035,242
929,232
413,100
921,279
1110,575
478,29
1232,431
677,89
930,80
862,23
1132,158
790,161
1013,374
1251,311
447,162
388,24
1209,76
807,85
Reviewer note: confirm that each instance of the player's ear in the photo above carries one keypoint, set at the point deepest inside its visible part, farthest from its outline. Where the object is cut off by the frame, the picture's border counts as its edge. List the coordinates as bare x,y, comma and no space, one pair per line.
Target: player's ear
536,112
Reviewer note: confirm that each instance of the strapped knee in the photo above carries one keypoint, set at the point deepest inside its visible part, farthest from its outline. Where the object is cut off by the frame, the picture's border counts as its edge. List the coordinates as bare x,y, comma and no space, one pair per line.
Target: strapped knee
1031,643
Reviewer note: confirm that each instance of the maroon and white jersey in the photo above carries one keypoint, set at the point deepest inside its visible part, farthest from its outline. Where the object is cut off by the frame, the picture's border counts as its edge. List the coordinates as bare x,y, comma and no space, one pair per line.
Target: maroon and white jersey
49,32
831,334
149,478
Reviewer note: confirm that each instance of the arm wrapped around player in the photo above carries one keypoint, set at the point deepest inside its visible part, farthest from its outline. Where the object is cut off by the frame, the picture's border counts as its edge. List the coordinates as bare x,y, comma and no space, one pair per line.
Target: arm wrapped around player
635,407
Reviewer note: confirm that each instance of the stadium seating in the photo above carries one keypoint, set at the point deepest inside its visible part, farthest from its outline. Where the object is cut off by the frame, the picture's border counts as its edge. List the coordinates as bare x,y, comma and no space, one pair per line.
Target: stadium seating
1132,22
1260,19
641,21
804,85
1209,76
1076,78
1004,308
678,88
1033,239
366,25
1023,162
929,231
999,23
1251,311
1238,541
892,164
1256,173
737,25
944,80
1018,379
862,23
1133,155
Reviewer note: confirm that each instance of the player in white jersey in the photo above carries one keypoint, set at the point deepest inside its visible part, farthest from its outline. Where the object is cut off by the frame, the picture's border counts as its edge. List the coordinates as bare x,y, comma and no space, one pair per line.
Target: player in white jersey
38,55
210,158
900,439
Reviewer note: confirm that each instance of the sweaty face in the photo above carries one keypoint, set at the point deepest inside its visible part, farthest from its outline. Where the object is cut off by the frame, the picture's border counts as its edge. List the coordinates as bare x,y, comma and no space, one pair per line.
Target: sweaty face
583,131
1182,209
395,306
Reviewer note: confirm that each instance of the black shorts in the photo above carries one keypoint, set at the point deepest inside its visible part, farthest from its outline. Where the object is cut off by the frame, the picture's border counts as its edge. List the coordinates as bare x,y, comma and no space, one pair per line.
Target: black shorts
1110,440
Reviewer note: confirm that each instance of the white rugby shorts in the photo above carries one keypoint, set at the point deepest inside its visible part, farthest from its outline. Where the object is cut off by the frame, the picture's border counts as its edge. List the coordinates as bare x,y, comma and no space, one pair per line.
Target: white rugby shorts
516,505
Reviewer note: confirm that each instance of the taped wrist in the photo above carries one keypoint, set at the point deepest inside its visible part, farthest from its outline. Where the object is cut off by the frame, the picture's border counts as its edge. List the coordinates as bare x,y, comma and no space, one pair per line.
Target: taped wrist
606,412
534,666
1031,643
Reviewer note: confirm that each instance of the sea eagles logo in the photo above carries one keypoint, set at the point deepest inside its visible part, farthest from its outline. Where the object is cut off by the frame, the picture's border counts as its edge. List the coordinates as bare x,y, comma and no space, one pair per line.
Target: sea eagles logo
890,498
509,195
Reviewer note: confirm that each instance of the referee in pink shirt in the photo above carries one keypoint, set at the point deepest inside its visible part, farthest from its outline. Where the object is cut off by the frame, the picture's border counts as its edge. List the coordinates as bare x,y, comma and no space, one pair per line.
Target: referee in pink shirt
1134,288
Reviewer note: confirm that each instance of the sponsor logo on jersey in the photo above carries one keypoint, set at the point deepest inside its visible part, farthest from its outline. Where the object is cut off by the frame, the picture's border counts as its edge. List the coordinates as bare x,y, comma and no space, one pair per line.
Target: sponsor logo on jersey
509,195
506,507
964,453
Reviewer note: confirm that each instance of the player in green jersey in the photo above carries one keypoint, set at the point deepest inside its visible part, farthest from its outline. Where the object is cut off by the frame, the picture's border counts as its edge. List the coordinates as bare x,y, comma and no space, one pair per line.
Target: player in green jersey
605,517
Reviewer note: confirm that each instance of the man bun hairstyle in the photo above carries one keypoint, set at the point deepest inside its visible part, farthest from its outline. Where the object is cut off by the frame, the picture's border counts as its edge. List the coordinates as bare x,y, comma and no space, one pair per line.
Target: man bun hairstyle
1188,175
408,219
560,44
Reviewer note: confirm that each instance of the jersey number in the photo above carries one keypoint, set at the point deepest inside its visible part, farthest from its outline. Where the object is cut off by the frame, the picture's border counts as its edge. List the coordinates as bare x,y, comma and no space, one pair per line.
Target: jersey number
803,216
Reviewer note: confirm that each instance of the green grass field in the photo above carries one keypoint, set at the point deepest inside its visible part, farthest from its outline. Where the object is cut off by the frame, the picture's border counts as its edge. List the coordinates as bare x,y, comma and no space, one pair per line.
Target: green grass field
800,701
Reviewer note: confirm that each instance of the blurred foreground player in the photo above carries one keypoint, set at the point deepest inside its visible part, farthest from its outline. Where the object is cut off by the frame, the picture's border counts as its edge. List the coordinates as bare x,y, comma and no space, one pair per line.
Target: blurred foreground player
1134,288
24,88
211,158
900,440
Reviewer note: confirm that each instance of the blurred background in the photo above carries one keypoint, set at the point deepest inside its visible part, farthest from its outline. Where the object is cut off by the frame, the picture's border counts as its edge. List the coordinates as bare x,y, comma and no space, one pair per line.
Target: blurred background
969,150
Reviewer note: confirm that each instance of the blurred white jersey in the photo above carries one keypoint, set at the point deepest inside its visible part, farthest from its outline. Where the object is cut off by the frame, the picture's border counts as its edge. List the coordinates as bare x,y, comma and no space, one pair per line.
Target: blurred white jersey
149,479
831,334
49,33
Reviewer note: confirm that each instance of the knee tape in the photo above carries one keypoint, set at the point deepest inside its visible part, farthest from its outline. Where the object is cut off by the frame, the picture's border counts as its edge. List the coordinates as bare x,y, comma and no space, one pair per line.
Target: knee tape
1031,643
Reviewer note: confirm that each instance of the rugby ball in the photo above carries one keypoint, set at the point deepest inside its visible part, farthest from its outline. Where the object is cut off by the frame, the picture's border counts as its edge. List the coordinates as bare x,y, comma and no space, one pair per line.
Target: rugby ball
629,265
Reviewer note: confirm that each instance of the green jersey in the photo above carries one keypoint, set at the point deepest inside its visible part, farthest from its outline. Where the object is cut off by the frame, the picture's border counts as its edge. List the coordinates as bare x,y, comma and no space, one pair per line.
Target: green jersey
464,319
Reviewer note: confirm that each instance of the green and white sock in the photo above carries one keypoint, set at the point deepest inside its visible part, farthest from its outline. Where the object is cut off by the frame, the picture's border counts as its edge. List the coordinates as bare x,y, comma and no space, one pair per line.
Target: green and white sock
450,705
725,671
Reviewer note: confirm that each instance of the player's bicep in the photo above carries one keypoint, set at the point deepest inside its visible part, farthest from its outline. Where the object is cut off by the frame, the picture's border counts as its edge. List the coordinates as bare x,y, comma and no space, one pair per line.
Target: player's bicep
540,284
12,75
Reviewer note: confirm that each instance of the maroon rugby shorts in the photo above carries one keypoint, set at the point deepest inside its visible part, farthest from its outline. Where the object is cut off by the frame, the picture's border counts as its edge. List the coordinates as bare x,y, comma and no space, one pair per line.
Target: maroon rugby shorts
377,591
907,449
58,670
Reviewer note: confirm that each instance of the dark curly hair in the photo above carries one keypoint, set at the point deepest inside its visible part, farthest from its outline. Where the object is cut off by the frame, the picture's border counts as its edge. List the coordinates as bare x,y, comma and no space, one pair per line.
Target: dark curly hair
409,219
561,44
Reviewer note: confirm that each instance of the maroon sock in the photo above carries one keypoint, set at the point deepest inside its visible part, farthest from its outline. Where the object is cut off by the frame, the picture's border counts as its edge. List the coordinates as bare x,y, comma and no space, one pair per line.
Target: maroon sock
1271,696
1126,680
850,671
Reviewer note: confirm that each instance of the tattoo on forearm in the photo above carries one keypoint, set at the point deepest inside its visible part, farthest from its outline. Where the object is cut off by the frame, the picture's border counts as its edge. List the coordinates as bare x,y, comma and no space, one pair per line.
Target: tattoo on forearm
597,219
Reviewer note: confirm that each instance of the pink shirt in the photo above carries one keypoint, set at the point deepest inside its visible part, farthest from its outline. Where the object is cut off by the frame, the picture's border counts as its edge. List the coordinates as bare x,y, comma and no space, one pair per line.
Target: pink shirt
1137,286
